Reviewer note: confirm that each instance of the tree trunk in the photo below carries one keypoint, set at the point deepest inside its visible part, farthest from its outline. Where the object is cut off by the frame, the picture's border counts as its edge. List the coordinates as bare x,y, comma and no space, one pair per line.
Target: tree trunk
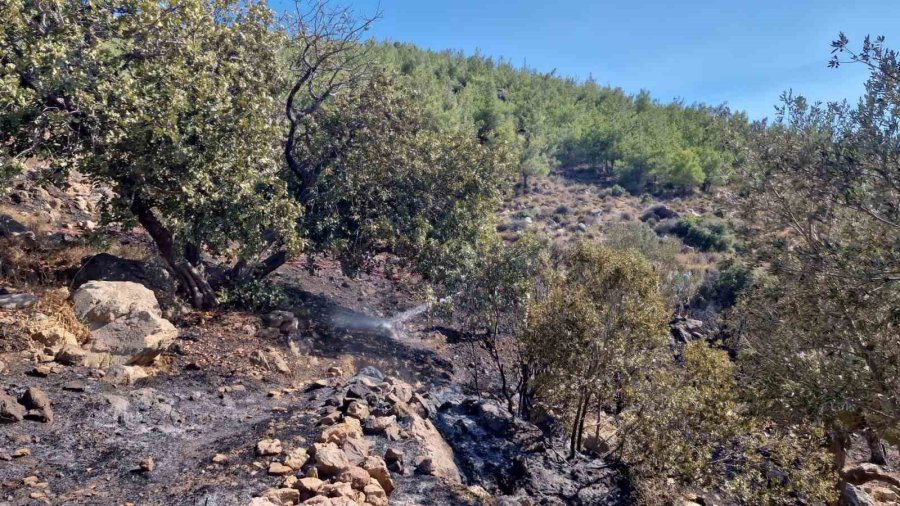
587,400
196,287
876,449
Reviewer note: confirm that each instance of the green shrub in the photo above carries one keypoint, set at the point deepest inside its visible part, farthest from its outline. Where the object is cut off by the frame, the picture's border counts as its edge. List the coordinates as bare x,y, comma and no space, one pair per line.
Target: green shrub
723,286
617,191
255,295
702,233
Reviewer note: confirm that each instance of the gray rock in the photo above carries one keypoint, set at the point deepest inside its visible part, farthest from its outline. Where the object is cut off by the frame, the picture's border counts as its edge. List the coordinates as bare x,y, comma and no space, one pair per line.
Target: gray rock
125,319
17,300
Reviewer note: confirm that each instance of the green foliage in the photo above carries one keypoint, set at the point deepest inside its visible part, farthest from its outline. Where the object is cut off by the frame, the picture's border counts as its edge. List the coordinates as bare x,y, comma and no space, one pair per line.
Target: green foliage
819,340
253,295
172,104
723,286
550,120
677,283
687,431
705,234
600,324
397,186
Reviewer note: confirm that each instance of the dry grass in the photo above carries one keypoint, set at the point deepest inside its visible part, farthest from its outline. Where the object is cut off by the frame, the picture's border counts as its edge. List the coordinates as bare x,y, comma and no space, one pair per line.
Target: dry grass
55,304
131,251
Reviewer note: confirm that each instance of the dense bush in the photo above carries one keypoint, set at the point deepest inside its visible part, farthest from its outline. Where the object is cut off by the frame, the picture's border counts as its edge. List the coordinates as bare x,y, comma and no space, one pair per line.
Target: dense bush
705,234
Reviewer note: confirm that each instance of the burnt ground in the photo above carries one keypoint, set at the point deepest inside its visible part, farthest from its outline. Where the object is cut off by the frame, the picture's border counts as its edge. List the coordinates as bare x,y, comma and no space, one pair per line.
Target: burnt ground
181,416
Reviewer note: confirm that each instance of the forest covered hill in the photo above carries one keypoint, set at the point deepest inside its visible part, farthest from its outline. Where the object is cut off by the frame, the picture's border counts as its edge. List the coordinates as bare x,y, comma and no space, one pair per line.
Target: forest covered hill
258,259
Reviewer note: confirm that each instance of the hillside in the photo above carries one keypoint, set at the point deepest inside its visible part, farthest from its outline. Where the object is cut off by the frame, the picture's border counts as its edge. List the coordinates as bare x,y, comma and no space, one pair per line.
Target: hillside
253,259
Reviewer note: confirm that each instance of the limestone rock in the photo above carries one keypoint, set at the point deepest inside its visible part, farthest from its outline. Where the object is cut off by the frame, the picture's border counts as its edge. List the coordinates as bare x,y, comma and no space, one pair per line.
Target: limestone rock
339,433
125,374
266,447
279,469
331,460
378,424
308,487
358,410
378,470
375,495
139,338
125,321
296,458
282,496
261,501
356,476
356,449
100,302
38,405
106,267
434,450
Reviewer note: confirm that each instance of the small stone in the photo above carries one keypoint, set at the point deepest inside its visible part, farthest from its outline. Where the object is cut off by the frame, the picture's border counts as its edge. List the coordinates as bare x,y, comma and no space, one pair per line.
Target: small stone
308,487
282,495
358,410
375,494
268,447
147,465
279,469
41,371
219,458
334,372
356,476
331,418
296,458
377,469
331,460
21,452
378,424
338,433
356,449
38,405
31,481
74,386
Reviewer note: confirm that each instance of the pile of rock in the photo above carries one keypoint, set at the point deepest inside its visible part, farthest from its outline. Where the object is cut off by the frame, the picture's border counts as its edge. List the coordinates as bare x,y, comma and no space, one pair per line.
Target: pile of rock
340,468
279,322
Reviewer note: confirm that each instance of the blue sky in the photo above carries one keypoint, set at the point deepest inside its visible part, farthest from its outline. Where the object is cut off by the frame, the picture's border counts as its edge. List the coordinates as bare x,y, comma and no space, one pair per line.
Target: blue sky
741,52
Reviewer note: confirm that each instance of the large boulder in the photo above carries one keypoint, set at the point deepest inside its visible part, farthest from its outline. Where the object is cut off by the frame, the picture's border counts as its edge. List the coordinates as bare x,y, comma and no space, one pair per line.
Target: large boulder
106,267
125,321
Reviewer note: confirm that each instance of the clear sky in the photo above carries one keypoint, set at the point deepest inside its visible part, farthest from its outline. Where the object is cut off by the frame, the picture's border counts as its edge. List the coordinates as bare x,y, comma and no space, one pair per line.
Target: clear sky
741,52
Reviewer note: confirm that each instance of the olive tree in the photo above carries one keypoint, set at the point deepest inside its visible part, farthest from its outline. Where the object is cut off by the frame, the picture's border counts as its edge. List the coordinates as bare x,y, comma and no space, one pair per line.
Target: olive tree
819,331
172,104
600,324
386,183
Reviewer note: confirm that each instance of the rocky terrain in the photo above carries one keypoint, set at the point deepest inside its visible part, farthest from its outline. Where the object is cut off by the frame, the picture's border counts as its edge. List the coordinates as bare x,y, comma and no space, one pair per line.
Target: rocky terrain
111,393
